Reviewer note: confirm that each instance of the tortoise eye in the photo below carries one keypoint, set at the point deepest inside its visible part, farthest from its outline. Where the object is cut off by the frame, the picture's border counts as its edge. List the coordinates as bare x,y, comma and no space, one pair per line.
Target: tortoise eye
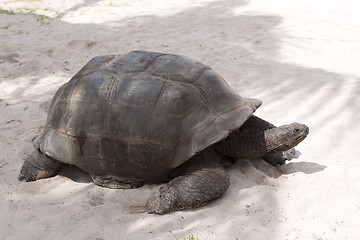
296,130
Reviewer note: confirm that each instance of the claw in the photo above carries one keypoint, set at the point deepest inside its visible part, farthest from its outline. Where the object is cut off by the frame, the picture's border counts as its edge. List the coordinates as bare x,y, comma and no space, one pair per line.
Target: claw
151,211
27,173
21,177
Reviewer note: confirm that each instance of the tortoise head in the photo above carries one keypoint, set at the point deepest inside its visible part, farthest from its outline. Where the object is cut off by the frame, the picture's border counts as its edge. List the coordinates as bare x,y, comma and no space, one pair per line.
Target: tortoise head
285,137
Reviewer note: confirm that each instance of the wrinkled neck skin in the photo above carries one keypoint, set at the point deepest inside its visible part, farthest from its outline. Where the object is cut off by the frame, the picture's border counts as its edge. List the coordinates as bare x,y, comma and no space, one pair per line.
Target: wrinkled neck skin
240,145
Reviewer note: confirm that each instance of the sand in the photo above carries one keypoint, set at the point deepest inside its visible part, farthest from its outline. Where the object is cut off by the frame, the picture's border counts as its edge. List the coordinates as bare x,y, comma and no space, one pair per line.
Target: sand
300,57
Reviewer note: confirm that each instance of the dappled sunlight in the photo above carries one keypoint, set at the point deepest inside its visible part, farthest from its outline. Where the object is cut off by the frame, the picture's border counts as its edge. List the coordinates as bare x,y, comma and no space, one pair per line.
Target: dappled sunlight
118,10
28,88
262,49
102,11
329,39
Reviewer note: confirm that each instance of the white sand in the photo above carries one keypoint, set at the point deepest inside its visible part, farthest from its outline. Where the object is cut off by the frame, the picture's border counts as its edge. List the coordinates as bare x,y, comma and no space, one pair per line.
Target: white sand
301,57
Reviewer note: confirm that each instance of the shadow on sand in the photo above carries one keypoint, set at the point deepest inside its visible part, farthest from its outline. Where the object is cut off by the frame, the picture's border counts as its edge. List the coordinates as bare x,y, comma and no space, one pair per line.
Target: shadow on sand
249,44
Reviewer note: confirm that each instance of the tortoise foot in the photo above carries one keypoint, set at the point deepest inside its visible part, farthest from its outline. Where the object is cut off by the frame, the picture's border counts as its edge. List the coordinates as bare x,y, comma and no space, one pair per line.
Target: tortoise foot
160,200
38,166
281,157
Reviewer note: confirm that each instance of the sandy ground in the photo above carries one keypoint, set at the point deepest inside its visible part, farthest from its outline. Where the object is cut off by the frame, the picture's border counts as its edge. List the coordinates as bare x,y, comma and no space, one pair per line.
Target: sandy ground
300,57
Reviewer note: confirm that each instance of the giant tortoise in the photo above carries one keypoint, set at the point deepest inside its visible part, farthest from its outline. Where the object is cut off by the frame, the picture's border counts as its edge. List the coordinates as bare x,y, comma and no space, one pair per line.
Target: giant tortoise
148,117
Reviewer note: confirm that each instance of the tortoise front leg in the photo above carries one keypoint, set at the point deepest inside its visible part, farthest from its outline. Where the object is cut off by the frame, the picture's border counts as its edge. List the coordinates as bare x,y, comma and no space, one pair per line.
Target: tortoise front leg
204,180
37,166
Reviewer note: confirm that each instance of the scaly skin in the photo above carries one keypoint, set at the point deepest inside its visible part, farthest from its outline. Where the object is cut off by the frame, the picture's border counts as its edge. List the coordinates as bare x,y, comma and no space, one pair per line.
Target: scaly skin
37,166
201,180
243,144
254,125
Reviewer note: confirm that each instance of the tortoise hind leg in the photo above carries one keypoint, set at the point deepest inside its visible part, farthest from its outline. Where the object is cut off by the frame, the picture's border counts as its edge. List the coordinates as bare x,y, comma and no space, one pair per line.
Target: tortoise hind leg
204,181
37,166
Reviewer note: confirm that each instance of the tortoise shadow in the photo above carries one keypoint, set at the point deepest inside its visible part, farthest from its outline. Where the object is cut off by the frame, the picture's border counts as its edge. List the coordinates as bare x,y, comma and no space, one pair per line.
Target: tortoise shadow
80,176
258,170
250,44
75,174
304,167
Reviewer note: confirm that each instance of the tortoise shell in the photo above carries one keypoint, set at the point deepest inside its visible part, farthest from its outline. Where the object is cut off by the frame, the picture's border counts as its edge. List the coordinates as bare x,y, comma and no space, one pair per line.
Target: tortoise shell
139,115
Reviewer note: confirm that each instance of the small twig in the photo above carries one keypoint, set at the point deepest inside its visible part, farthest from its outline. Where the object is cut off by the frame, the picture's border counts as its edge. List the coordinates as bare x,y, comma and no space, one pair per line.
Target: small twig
4,164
